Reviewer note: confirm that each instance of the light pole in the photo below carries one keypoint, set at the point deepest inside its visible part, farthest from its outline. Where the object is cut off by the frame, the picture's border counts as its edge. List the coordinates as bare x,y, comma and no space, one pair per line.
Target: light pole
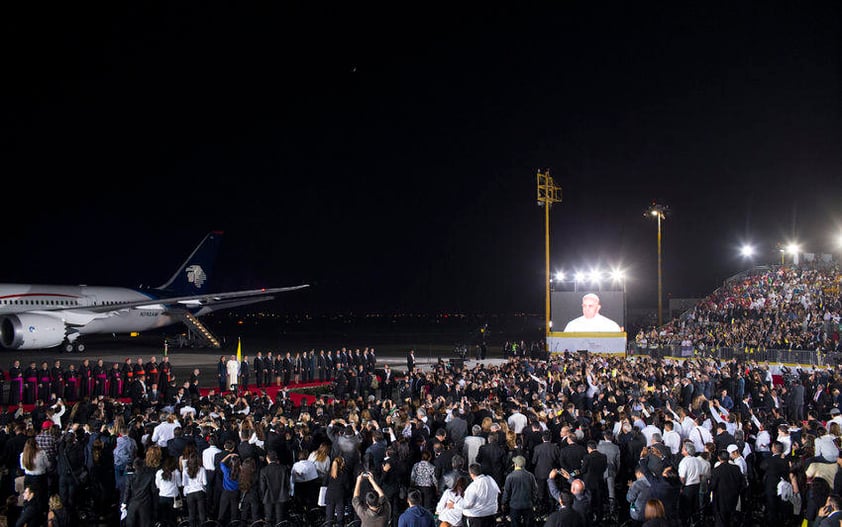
660,213
548,193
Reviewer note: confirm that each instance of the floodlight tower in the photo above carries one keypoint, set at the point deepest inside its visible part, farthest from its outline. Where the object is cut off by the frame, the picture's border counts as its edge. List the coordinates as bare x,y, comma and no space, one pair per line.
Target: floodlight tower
660,213
548,193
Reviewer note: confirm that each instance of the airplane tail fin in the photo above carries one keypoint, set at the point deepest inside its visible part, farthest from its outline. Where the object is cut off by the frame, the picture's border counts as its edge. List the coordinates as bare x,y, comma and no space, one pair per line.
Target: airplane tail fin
193,277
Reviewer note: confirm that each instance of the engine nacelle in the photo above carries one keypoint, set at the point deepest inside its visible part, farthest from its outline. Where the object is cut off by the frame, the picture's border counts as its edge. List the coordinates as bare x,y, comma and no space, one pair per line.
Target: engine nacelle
28,332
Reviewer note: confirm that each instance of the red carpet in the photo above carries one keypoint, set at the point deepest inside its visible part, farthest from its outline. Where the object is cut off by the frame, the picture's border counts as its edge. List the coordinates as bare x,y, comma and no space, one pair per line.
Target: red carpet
271,391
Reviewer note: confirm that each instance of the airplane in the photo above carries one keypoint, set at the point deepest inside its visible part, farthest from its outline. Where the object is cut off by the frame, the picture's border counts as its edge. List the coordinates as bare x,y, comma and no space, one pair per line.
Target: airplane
49,316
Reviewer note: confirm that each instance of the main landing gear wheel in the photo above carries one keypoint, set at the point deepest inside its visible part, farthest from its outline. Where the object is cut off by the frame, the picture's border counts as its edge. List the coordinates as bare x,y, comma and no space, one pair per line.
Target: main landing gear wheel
70,347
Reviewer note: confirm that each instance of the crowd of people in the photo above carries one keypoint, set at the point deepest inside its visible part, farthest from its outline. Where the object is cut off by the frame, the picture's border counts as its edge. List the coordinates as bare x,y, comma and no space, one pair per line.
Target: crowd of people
571,439
575,440
782,307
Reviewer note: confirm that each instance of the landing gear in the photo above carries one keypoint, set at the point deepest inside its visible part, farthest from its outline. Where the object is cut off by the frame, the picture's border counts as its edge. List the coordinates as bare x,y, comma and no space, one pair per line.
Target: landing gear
77,346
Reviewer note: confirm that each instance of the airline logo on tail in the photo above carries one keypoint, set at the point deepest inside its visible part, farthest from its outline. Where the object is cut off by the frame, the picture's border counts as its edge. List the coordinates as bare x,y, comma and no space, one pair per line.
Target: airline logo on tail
196,275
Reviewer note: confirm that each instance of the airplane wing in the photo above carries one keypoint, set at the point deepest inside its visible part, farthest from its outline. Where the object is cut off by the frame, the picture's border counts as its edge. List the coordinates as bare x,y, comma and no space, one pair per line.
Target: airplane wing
212,300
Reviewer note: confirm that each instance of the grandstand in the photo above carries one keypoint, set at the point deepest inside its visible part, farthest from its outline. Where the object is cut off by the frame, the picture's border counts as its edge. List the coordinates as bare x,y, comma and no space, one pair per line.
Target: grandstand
780,313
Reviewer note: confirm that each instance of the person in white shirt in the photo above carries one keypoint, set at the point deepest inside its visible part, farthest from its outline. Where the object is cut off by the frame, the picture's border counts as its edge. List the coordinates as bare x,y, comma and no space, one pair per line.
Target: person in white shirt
517,421
591,320
168,481
693,472
163,432
649,432
472,443
700,435
480,504
194,480
825,446
304,476
672,439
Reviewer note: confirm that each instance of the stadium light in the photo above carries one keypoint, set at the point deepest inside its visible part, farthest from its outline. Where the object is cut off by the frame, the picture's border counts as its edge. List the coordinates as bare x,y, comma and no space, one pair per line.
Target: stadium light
579,276
747,251
618,275
793,248
559,276
595,276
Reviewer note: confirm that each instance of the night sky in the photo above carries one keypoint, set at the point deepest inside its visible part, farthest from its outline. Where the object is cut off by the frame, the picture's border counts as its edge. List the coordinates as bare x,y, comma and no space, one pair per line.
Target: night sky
387,155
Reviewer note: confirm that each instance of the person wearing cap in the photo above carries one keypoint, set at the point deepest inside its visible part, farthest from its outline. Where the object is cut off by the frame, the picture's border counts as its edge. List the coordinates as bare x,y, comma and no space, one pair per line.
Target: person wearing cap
737,458
520,494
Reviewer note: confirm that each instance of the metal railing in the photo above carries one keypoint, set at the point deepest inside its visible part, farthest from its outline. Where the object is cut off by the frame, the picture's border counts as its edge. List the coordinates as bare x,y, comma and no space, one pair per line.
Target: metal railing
785,356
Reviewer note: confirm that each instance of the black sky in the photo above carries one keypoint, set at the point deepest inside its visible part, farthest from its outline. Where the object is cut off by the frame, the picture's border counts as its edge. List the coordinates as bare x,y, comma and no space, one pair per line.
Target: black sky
387,155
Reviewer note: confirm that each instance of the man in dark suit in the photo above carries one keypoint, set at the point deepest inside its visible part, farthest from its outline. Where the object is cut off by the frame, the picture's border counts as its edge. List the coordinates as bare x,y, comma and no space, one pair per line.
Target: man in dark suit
821,401
387,382
722,438
274,488
410,361
687,391
566,516
492,457
176,445
250,450
726,484
257,366
594,465
155,397
572,454
774,468
544,459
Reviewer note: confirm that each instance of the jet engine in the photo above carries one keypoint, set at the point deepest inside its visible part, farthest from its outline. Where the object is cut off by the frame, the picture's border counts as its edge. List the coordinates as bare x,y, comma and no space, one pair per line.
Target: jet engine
26,331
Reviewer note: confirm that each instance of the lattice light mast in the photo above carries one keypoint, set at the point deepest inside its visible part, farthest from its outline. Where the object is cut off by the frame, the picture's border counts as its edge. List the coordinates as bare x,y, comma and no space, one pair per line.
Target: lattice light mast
548,193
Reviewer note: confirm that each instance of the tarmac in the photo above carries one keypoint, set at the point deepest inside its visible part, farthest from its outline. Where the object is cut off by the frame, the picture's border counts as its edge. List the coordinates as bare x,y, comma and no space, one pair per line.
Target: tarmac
118,349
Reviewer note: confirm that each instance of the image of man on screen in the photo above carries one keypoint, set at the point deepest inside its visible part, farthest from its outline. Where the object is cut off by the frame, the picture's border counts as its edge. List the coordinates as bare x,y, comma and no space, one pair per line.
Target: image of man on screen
591,320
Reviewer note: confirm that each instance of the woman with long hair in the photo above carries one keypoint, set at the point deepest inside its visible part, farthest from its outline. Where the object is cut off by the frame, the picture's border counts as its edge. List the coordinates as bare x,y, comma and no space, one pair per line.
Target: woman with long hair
153,457
35,464
449,508
168,481
249,491
338,488
194,481
189,449
229,499
321,458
